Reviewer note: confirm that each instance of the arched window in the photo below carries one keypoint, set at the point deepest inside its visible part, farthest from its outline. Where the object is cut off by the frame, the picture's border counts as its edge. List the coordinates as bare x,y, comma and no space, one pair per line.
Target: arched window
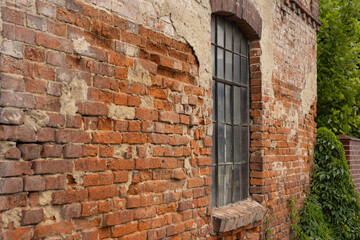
230,152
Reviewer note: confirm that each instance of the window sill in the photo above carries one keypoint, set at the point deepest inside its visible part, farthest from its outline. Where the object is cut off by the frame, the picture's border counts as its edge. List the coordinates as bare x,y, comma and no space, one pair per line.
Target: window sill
237,215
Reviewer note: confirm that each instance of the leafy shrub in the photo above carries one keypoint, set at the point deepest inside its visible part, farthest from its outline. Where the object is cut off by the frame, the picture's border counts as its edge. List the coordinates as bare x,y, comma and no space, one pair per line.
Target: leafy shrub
338,66
332,210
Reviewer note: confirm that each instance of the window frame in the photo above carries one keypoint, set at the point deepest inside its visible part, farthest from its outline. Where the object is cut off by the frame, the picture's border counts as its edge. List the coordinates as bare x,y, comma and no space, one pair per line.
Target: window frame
216,80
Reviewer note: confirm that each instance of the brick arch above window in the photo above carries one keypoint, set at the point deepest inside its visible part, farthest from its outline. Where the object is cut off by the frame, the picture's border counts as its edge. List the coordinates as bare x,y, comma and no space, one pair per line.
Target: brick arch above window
243,13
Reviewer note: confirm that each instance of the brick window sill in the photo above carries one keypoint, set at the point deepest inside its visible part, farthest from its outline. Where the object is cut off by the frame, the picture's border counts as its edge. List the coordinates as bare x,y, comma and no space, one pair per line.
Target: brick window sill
237,215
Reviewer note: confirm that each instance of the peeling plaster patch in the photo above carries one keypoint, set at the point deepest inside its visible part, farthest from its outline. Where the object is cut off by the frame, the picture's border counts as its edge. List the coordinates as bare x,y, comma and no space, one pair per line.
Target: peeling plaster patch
147,102
45,197
308,94
5,146
53,212
121,112
187,166
191,23
139,75
36,119
13,215
120,150
81,46
75,91
78,176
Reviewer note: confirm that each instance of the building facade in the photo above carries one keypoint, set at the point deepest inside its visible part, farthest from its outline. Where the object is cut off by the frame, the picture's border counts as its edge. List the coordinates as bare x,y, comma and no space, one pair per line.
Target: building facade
155,119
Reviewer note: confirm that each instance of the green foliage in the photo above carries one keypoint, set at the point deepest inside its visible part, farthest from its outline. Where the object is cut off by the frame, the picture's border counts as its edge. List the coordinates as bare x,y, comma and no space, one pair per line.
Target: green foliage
332,210
338,66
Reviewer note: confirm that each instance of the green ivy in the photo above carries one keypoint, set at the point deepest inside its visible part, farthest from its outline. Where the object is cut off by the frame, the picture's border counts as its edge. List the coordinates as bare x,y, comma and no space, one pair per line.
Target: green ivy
331,210
338,66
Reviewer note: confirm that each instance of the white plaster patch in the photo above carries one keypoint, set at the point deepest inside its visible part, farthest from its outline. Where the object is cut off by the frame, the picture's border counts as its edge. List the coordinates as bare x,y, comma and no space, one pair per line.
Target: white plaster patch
45,197
147,102
138,75
81,46
75,91
308,94
13,215
120,112
36,119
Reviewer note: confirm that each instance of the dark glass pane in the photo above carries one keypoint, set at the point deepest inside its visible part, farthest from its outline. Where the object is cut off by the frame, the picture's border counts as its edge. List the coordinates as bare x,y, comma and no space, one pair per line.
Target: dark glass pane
237,40
220,31
228,65
237,184
213,186
213,149
244,105
237,142
221,102
228,184
214,100
236,68
221,143
244,145
236,105
229,132
221,186
213,59
228,103
244,45
244,175
213,30
220,63
244,71
228,35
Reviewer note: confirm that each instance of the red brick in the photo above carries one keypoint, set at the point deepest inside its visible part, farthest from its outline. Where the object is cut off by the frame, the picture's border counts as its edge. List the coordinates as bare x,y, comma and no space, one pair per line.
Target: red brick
13,99
170,117
93,108
106,151
14,168
32,216
35,22
34,183
102,192
13,153
111,219
12,82
34,54
106,137
178,140
12,16
146,114
89,209
121,176
74,136
52,229
92,165
52,166
48,41
11,201
73,151
69,196
44,72
24,35
45,9
30,151
55,58
104,124
98,179
70,211
45,135
11,185
49,151
47,103
55,182
18,233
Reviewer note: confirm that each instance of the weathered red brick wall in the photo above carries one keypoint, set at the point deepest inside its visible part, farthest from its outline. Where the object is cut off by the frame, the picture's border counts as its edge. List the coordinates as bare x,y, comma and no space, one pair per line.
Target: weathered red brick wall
352,153
105,118
101,128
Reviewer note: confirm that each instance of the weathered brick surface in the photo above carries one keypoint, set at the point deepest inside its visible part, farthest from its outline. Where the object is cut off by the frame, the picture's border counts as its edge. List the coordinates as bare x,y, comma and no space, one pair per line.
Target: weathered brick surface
105,117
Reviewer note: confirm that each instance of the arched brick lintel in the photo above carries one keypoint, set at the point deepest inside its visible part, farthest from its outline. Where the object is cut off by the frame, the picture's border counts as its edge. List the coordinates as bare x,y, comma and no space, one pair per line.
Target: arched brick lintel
243,13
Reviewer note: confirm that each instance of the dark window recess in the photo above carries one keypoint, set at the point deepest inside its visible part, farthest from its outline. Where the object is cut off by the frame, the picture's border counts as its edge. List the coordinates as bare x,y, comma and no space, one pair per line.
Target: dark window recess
231,138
